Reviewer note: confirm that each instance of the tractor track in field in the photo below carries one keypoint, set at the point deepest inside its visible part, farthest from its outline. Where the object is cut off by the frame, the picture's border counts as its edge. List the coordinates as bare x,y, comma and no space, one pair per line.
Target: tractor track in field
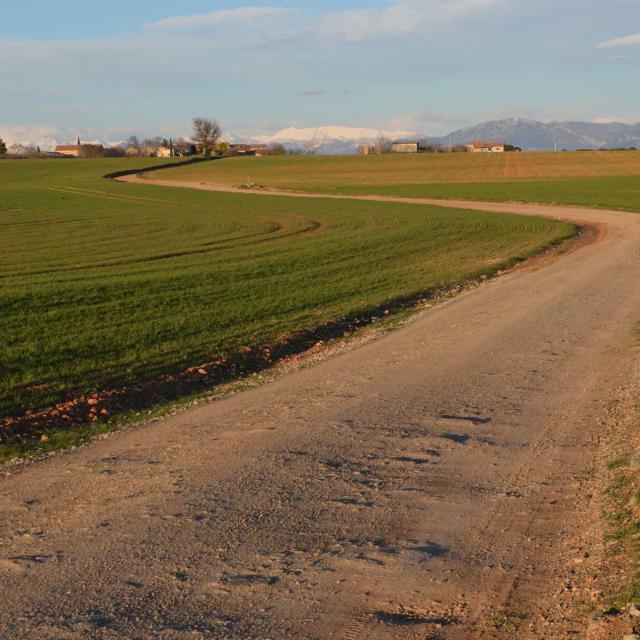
431,484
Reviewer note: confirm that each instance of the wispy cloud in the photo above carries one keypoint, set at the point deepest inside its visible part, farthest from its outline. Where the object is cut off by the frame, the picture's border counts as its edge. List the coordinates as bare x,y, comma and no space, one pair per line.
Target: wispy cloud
428,122
625,41
298,58
625,56
317,93
616,120
242,16
400,19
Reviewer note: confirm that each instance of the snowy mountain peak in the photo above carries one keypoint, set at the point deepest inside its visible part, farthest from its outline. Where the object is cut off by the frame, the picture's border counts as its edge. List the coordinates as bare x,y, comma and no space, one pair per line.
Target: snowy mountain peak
335,139
333,132
535,135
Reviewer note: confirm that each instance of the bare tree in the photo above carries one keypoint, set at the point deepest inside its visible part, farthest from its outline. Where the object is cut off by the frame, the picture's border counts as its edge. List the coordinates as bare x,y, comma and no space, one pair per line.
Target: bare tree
91,151
134,143
383,144
276,149
183,147
222,148
151,145
113,152
206,134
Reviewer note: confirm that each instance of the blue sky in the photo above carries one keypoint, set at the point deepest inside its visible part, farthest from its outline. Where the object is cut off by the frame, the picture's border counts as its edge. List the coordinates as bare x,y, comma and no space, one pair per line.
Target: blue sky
105,70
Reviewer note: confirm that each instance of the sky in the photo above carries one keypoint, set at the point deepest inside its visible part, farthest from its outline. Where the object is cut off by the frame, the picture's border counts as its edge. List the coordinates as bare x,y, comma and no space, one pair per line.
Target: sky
110,69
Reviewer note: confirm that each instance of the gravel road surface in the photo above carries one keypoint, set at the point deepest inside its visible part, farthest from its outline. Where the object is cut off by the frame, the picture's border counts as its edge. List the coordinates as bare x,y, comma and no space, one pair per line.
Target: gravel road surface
426,485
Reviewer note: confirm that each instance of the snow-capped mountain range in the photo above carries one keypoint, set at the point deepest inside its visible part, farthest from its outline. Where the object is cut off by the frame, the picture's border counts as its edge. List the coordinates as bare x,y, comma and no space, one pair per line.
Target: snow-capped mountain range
533,135
331,139
528,134
323,140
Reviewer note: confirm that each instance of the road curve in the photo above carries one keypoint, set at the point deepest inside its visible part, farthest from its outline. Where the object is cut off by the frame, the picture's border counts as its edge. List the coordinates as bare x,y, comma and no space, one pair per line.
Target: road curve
425,485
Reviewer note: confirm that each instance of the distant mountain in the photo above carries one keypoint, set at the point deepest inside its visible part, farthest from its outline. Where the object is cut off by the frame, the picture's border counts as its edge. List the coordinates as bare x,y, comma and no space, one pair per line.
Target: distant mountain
19,147
232,138
330,139
539,136
19,138
16,149
531,135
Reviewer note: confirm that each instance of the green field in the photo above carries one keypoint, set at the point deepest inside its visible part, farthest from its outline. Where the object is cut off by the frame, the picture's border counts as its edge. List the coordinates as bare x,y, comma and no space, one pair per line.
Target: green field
598,179
105,284
621,192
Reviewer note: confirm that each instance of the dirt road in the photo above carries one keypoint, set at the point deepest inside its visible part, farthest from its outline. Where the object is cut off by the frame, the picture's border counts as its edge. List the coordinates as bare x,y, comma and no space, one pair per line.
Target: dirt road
426,485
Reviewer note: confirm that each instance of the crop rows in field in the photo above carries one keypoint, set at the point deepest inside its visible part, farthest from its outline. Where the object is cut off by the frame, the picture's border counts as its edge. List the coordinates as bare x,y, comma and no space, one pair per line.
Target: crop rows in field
106,284
326,173
592,179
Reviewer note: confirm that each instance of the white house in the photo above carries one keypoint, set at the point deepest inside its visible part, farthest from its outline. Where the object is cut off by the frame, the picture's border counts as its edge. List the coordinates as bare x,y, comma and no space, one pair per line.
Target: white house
164,151
79,149
480,146
405,147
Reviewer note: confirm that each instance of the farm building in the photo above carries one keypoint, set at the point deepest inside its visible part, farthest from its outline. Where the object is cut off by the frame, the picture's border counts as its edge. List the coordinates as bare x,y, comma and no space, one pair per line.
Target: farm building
76,150
405,147
164,152
248,149
170,149
184,148
68,149
480,146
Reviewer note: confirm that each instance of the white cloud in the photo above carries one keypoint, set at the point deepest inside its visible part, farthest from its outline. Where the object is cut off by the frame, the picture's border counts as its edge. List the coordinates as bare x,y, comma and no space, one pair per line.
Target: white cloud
313,93
402,18
242,16
428,122
542,114
616,120
625,41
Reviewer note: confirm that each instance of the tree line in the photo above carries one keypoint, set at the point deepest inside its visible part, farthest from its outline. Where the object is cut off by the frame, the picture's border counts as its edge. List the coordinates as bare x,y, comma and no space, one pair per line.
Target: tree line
384,145
206,140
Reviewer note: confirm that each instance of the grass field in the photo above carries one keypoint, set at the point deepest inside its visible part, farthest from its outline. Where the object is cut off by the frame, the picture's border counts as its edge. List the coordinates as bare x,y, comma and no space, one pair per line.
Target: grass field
600,179
105,284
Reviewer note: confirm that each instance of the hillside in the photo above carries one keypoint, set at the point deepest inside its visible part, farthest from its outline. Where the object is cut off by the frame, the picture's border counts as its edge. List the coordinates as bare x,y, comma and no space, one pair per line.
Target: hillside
539,136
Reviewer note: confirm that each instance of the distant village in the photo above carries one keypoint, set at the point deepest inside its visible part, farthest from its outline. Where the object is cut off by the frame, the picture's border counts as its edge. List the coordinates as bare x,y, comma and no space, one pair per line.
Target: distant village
160,148
207,140
384,145
169,148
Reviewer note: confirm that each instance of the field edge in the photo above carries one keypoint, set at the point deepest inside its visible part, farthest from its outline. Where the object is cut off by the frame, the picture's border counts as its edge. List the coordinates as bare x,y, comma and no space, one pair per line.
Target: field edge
75,422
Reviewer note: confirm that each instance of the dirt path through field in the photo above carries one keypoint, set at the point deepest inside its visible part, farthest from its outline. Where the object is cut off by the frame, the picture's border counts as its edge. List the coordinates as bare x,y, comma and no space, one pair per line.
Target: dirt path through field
427,485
